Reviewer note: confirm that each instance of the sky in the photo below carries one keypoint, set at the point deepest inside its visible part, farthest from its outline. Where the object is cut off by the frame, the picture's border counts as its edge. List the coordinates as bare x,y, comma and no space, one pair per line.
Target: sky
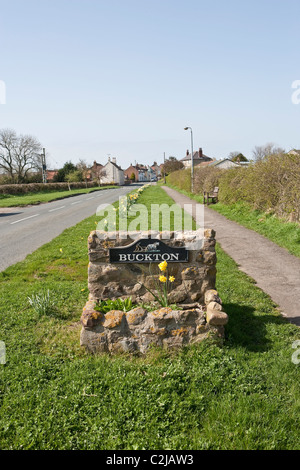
122,78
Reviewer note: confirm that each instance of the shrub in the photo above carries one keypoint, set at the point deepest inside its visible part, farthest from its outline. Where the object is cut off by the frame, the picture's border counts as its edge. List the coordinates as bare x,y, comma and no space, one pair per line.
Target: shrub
181,179
14,189
272,184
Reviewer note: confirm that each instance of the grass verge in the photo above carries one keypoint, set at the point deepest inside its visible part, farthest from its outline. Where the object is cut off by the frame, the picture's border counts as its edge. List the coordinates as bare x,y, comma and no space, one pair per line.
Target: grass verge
7,200
55,396
284,234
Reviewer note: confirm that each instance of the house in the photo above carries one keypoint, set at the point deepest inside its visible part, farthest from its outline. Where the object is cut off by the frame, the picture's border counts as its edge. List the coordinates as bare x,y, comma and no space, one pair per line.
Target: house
140,172
294,152
112,173
50,175
96,172
198,157
156,169
225,164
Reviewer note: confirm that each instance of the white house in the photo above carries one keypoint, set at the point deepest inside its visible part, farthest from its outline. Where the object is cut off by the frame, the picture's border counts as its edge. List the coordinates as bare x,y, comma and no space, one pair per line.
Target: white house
225,164
113,173
198,157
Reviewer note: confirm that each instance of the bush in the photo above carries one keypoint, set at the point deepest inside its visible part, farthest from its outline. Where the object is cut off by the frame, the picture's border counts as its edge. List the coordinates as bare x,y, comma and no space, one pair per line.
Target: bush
181,179
14,189
272,184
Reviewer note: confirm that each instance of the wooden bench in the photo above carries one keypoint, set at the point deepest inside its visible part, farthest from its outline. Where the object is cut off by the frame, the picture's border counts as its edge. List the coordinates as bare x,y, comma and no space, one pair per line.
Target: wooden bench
211,195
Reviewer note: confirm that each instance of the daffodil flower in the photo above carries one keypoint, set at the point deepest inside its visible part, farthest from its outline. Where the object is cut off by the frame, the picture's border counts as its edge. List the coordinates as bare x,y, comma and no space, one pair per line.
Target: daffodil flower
163,279
171,278
163,266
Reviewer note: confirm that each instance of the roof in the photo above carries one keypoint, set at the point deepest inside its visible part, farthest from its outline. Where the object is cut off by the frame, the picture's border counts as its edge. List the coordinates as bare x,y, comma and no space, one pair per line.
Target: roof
218,162
207,163
196,157
115,165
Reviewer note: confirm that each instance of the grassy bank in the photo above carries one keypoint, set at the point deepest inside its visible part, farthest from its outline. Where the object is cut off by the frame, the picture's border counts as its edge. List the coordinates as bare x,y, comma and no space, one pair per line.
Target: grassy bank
27,199
55,396
284,234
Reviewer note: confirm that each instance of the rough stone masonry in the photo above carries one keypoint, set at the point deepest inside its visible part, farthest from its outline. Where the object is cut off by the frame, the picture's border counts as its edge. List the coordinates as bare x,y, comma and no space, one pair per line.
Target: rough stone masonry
199,311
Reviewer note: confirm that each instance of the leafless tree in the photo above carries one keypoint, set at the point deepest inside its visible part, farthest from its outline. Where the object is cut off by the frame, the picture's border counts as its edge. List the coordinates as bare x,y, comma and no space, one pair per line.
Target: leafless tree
99,173
263,151
84,170
171,165
19,154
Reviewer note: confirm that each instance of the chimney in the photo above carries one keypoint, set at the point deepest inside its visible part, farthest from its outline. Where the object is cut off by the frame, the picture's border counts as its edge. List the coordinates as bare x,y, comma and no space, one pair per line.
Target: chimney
114,160
200,153
187,153
109,159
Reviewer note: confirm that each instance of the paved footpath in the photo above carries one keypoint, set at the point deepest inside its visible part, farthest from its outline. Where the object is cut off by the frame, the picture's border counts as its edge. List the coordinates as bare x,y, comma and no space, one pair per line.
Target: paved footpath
273,268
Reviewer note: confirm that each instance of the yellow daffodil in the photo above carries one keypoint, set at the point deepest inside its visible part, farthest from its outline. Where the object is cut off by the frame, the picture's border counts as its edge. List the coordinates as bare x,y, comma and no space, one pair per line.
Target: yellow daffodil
163,279
171,278
163,266
61,250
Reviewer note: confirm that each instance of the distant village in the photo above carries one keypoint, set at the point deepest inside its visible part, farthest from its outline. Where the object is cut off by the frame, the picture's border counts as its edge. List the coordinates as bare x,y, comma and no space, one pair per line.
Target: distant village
111,172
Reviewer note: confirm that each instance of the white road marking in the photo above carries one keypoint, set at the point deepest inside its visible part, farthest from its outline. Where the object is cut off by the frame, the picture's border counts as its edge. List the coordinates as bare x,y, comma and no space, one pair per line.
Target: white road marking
26,218
90,198
58,209
73,203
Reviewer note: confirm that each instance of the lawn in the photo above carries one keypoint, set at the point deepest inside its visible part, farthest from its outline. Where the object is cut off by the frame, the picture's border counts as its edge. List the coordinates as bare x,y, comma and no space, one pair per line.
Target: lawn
53,395
7,200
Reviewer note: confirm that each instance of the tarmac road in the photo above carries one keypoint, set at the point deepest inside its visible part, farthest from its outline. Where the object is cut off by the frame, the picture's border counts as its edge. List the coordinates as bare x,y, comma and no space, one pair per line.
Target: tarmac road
24,229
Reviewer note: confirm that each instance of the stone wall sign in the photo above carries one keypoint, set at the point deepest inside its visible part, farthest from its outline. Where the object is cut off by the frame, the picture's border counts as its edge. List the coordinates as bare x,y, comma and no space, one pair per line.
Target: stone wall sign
120,268
148,251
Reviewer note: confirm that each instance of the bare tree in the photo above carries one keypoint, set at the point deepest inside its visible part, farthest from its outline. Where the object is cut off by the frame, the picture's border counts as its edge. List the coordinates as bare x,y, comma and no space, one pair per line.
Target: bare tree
19,154
172,164
8,141
263,151
84,169
99,174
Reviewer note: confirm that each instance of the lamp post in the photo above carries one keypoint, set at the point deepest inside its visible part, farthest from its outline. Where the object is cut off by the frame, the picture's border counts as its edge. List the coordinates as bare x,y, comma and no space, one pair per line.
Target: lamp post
192,160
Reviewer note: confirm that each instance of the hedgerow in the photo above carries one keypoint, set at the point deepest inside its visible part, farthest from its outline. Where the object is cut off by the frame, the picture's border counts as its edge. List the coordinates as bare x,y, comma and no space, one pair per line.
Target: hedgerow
39,187
271,185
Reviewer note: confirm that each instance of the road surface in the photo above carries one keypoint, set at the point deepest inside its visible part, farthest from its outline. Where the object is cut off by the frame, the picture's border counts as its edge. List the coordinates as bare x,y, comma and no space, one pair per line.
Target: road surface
24,229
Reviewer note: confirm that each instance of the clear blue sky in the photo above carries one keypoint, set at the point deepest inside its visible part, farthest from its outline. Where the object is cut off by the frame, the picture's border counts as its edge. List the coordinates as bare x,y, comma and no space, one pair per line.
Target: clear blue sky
90,78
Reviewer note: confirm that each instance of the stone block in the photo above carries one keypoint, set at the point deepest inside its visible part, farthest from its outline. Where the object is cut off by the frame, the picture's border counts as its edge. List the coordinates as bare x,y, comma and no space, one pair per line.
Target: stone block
136,316
212,296
113,319
216,318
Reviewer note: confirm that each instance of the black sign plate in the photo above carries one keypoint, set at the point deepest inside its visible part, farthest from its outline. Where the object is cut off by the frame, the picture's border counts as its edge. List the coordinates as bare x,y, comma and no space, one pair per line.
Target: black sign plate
148,251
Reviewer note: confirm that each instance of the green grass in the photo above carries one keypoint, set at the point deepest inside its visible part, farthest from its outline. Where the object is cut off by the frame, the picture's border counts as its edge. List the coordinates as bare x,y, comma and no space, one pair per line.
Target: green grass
19,200
284,234
196,197
53,395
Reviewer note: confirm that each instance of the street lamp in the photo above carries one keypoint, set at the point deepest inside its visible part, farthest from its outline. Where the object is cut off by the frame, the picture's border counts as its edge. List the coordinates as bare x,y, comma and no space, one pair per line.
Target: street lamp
192,161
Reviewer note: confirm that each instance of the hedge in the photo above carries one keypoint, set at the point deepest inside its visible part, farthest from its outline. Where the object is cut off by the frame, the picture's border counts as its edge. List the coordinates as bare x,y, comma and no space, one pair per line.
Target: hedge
44,187
271,185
